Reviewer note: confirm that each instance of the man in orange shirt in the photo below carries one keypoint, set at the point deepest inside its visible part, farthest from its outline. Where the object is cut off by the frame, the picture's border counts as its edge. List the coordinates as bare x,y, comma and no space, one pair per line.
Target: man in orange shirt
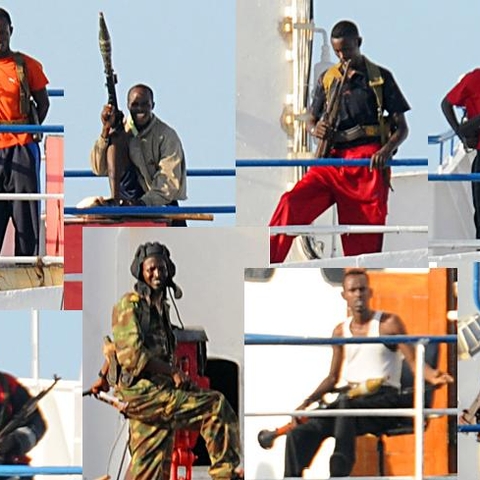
22,82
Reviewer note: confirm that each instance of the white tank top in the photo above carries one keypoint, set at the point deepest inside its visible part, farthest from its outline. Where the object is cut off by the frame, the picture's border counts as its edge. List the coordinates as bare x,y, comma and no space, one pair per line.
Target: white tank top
371,360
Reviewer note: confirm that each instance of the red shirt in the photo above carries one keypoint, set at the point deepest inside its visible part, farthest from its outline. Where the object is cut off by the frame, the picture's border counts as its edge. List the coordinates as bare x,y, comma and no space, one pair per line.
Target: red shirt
466,93
10,95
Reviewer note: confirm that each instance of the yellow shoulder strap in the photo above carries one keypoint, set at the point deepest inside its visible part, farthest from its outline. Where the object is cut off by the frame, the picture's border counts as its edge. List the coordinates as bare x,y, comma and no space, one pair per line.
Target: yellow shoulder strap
375,81
330,75
22,80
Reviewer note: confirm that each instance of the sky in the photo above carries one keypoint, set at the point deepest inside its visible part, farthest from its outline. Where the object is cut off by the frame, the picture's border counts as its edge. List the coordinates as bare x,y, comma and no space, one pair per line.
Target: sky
60,346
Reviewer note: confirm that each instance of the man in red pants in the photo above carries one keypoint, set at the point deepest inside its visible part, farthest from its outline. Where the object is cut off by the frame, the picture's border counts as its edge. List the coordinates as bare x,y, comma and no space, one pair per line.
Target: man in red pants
361,131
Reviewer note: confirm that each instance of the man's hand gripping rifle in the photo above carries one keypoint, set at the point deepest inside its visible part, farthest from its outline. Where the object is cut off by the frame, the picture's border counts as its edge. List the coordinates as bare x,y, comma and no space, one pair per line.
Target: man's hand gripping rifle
22,417
267,437
330,116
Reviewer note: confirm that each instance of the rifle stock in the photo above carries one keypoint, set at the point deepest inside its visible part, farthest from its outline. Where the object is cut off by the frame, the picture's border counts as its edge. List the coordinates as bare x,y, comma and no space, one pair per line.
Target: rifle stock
330,115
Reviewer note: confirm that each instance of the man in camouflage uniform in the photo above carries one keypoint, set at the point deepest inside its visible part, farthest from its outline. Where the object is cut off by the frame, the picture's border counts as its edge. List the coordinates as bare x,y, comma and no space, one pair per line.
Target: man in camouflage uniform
160,397
15,445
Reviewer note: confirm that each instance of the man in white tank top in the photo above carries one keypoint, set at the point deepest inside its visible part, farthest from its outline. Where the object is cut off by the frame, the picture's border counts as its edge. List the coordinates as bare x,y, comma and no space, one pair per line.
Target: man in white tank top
360,363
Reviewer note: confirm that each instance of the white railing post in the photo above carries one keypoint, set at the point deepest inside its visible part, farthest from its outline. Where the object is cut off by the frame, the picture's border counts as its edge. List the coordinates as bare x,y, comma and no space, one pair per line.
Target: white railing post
419,405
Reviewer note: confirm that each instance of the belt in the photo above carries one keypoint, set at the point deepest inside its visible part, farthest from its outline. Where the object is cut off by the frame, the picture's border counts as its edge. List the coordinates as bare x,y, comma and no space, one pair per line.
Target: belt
356,132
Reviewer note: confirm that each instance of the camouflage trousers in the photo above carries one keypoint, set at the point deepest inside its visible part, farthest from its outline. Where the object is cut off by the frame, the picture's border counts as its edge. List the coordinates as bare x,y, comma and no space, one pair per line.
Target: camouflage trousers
155,412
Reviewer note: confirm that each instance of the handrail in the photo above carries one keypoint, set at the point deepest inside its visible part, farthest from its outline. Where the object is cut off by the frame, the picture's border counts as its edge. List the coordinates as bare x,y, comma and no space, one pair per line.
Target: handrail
454,177
27,128
191,172
441,140
476,285
419,378
267,339
148,211
26,470
31,260
31,196
56,92
442,137
335,162
469,428
295,230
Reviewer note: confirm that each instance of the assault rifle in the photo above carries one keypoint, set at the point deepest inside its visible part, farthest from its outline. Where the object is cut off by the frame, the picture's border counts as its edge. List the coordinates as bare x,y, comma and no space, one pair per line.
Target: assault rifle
330,115
472,415
27,410
111,77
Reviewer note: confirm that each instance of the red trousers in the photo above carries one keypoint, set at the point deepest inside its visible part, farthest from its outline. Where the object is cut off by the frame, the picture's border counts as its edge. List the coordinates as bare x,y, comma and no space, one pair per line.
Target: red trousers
361,197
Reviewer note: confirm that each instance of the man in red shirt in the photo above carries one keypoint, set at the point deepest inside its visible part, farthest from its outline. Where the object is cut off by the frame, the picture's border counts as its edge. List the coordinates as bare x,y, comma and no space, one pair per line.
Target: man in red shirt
360,193
21,80
15,445
467,94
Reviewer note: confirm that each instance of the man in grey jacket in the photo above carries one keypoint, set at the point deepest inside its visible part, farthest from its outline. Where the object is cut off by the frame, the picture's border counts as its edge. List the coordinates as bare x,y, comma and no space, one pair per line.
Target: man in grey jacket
143,157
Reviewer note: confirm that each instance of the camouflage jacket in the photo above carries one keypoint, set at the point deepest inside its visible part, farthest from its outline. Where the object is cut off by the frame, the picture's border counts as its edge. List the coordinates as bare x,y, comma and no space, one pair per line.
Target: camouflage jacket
140,332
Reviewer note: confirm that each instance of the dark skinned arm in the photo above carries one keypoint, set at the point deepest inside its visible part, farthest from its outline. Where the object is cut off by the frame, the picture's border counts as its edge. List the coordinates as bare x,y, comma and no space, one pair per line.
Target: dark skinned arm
449,112
329,382
380,157
393,325
42,102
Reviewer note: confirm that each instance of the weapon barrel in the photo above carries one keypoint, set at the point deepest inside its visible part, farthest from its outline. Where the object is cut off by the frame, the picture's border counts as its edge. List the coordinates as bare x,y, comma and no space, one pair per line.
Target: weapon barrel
105,45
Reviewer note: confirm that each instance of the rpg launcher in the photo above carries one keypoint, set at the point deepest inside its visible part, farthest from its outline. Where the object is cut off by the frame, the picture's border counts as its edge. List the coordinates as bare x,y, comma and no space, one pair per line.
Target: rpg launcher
111,77
267,437
24,414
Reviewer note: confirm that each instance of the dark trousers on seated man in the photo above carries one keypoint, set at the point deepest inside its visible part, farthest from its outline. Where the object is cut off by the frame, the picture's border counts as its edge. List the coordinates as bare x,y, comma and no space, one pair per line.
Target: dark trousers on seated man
130,189
305,439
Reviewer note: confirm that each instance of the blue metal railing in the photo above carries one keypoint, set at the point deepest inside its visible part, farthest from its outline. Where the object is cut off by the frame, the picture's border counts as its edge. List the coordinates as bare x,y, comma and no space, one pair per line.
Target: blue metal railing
469,428
441,140
148,211
476,285
55,92
191,172
336,162
28,128
261,339
454,177
27,471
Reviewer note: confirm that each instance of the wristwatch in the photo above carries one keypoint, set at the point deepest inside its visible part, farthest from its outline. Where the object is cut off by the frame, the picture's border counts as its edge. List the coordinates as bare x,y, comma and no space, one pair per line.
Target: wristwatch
312,130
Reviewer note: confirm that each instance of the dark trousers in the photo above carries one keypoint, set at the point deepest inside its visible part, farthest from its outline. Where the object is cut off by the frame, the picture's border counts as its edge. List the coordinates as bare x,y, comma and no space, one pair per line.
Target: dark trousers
476,195
304,441
19,173
130,189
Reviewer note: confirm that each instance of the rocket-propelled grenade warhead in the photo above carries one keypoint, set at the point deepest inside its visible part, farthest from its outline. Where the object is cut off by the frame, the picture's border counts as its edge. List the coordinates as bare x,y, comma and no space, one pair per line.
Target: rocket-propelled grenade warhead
105,45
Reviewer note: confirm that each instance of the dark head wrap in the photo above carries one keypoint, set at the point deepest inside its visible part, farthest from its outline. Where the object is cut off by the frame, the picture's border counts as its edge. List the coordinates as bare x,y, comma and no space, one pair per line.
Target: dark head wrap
4,14
154,249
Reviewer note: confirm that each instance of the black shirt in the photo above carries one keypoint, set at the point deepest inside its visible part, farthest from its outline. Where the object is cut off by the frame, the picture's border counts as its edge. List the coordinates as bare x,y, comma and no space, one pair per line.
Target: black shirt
358,105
